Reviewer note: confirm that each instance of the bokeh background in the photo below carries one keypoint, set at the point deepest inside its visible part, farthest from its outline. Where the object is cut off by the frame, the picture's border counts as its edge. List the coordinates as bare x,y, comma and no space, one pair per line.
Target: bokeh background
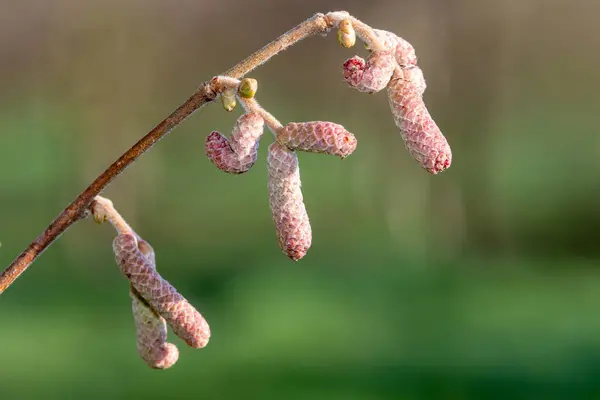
479,283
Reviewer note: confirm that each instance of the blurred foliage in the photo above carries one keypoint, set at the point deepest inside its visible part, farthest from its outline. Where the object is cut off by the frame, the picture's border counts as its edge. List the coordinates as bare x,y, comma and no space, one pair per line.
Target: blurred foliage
479,283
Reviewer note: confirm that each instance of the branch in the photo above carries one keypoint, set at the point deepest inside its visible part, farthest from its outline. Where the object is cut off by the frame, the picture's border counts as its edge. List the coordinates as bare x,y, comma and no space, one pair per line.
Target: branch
205,94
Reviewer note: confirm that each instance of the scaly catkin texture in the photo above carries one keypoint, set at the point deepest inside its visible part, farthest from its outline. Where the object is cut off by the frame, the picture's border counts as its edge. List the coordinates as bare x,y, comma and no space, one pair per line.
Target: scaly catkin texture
317,137
414,75
151,333
421,135
184,319
370,76
151,328
404,52
287,206
238,154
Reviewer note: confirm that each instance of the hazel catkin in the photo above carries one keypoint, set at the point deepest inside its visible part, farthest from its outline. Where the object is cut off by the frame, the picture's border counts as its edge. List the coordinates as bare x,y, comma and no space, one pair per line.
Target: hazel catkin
184,319
317,137
238,154
372,75
403,51
151,335
151,328
422,137
287,206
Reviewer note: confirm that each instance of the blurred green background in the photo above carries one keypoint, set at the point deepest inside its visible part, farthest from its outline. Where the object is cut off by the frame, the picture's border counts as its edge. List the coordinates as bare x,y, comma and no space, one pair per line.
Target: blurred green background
479,283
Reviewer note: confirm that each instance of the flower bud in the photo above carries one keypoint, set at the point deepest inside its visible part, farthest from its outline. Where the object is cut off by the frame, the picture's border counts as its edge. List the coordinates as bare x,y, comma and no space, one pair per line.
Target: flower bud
346,34
422,137
228,100
317,137
238,154
287,206
248,88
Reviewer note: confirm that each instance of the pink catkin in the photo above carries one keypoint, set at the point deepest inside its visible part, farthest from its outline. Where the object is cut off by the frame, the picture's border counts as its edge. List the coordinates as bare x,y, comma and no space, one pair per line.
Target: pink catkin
151,328
421,135
414,75
184,319
370,76
287,206
238,154
151,333
404,52
317,137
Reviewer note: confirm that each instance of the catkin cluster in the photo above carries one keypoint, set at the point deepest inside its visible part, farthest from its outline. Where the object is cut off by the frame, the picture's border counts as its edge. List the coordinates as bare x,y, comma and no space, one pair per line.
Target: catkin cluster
184,319
155,303
239,153
285,196
395,68
391,65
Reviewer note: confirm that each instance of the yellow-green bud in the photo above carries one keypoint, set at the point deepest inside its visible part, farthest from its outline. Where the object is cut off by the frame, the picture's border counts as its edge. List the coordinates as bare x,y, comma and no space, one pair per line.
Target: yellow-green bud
99,219
248,88
346,34
228,100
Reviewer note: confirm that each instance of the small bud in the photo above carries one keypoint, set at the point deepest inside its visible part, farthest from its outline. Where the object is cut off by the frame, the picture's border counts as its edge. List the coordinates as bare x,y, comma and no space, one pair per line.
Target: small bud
238,154
287,206
317,137
228,100
370,76
99,218
248,88
99,212
346,34
422,137
184,319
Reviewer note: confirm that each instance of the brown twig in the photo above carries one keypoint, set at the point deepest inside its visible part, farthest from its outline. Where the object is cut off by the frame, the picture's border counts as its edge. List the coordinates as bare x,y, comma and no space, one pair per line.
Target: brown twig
206,93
